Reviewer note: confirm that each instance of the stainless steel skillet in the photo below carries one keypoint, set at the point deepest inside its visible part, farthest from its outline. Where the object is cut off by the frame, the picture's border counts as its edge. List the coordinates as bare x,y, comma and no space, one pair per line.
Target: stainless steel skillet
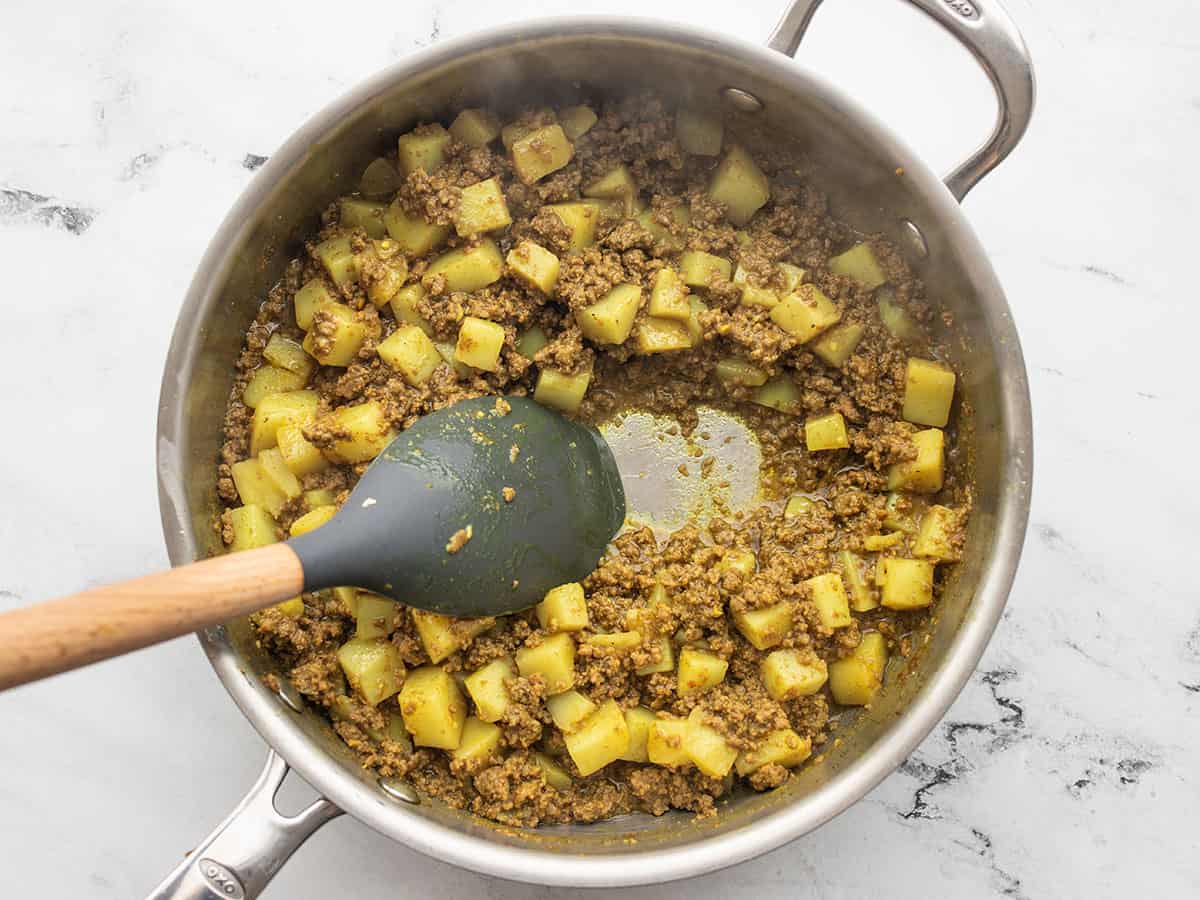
875,182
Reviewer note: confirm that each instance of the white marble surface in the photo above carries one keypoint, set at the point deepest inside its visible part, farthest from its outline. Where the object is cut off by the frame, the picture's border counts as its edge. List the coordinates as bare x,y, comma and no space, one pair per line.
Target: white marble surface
1068,767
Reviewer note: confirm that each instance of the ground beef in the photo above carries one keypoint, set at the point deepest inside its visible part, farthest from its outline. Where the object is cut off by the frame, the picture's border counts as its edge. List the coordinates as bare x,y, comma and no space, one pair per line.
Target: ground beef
682,587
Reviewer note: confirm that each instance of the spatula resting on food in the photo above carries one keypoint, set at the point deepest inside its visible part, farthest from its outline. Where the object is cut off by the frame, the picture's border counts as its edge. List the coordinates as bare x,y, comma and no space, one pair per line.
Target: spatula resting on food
476,510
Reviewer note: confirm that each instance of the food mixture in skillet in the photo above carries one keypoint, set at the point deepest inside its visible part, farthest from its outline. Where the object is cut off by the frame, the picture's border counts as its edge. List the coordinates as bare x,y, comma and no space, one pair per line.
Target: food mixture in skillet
631,256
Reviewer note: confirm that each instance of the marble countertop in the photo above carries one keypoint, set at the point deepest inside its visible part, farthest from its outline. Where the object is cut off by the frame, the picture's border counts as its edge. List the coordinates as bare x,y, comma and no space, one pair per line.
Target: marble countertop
1067,768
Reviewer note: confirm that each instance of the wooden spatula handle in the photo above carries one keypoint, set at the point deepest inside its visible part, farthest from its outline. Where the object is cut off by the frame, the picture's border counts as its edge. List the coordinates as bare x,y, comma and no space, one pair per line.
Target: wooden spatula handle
52,637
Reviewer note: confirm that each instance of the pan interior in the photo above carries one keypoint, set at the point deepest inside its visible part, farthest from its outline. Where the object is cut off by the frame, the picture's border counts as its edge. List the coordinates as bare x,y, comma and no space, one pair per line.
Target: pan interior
860,173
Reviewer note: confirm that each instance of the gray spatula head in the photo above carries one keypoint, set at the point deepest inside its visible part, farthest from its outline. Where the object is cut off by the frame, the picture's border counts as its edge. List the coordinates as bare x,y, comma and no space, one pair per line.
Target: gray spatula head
474,511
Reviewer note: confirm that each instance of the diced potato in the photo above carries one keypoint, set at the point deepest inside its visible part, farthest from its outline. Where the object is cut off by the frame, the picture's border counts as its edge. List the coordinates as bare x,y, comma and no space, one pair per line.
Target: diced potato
733,372
479,344
300,455
268,380
682,217
279,474
393,730
753,295
698,133
616,641
765,627
779,393
805,313
410,352
475,127
895,318
468,268
556,776
364,214
563,392
695,327
374,616
553,659
638,720
255,488
530,341
901,512
798,505
699,671
829,597
617,185
854,680
564,608
907,584
406,307
312,520
379,179
827,432
252,527
487,689
534,265
423,148
446,349
706,747
860,264
318,497
569,709
928,392
782,748
442,635
581,218
433,708
838,344
343,344
415,236
793,277
665,743
700,269
668,296
311,297
610,320
862,596
373,668
655,335
666,660
937,535
481,208
877,542
602,738
922,475
278,410
479,744
541,152
576,121
348,598
788,674
382,270
287,354
740,560
293,607
338,259
740,185
367,429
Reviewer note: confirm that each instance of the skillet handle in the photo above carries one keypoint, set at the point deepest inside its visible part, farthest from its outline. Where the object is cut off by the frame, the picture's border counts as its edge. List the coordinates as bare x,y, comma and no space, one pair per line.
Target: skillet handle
984,28
245,851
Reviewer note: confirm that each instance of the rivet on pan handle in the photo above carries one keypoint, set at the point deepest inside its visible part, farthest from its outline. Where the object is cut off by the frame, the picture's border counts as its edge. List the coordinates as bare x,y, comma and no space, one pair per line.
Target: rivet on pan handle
245,851
984,28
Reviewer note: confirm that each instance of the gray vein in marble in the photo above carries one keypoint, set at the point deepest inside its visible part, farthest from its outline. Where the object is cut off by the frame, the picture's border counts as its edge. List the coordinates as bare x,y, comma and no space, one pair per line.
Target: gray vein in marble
141,164
1007,884
1004,731
20,206
253,161
1105,274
